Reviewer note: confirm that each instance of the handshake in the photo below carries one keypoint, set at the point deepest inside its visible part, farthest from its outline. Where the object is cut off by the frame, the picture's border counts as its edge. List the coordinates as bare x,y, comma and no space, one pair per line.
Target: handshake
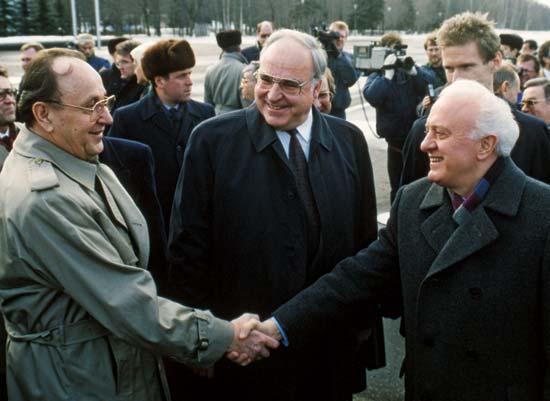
252,339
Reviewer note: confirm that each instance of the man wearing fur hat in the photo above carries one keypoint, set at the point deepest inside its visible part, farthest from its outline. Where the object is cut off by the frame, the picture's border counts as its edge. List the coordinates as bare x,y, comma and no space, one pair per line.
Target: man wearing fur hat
510,46
222,80
164,118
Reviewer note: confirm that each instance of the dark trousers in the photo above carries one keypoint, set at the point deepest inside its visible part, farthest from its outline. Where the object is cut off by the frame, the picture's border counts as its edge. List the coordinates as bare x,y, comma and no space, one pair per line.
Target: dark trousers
395,163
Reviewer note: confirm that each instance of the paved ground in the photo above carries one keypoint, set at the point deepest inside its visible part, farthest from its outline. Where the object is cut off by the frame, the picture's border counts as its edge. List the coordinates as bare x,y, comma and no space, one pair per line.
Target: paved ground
384,384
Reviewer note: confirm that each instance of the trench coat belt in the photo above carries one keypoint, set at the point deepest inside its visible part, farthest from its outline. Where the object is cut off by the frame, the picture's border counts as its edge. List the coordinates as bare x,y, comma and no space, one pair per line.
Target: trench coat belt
73,333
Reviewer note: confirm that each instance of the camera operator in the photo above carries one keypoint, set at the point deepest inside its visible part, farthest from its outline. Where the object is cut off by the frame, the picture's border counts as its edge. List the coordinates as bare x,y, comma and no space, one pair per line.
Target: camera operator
394,92
341,65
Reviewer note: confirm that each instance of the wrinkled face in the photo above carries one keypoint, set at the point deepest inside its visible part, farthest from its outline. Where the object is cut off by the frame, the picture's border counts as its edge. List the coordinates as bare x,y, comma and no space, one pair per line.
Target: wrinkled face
26,57
449,144
434,54
264,34
534,102
286,59
247,87
341,41
465,62
87,49
77,131
7,105
324,100
126,66
527,71
175,89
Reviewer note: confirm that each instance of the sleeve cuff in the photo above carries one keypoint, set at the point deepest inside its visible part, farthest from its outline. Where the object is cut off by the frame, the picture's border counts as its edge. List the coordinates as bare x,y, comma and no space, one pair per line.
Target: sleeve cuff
283,334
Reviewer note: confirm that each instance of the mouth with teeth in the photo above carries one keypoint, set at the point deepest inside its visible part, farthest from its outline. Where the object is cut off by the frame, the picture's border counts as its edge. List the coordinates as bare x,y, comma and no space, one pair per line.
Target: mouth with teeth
434,159
275,108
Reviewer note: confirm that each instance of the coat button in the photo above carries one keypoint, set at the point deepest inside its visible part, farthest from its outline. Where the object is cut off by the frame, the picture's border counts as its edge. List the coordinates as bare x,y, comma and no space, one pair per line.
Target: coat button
291,195
475,293
203,344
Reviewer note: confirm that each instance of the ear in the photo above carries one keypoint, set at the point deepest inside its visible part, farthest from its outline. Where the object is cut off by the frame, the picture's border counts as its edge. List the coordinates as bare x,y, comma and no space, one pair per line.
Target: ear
159,81
42,114
497,61
487,146
505,86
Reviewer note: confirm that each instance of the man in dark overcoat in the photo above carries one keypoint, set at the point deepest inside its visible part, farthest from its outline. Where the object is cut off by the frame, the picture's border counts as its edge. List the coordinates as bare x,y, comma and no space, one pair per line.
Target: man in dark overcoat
470,50
262,211
467,250
164,118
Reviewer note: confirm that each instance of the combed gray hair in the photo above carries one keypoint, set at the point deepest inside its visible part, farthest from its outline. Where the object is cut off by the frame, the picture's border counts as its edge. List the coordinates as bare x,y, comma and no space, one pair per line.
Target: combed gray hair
494,115
318,54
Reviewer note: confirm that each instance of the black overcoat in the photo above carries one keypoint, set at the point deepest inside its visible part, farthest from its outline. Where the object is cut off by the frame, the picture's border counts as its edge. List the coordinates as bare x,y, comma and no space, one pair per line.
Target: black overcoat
144,121
238,235
476,298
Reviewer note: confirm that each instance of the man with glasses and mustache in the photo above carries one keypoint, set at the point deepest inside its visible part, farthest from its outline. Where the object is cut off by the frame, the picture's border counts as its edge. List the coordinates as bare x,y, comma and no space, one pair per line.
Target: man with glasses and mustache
268,199
536,99
8,129
82,313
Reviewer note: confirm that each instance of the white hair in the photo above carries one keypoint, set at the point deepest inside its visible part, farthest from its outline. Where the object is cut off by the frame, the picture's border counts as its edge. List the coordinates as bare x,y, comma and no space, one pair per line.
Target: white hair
138,51
494,114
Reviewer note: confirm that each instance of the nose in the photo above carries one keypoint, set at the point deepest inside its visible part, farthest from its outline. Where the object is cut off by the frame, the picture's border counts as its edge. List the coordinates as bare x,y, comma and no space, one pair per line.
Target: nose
105,117
428,144
274,92
524,108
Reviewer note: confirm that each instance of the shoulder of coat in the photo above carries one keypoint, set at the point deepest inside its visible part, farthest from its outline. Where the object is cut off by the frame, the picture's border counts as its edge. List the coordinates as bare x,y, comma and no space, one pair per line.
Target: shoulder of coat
42,175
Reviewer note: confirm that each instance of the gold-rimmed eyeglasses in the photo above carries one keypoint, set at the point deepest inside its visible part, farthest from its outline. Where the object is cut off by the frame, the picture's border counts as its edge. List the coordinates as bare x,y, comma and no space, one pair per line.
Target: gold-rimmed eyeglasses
287,85
96,110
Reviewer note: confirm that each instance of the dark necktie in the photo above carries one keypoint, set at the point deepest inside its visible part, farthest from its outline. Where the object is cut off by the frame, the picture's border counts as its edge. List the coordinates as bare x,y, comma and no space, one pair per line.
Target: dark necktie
175,118
299,164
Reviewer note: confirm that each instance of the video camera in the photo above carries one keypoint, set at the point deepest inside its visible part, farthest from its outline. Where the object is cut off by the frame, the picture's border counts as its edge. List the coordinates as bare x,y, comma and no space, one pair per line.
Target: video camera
370,58
327,39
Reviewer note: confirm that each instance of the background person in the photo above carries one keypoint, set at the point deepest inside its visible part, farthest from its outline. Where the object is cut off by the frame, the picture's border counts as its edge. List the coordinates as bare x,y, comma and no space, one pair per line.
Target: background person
536,99
85,43
264,30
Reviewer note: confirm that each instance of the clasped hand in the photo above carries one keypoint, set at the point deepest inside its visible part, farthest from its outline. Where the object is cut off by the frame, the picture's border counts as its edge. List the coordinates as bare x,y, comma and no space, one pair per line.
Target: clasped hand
249,343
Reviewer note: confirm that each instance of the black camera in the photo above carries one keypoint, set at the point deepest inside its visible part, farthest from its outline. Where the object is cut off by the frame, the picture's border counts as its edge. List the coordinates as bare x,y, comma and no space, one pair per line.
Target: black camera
327,39
371,58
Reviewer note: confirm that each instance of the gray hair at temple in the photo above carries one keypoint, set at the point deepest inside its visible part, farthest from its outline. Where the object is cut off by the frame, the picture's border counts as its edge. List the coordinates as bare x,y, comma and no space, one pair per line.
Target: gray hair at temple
318,54
494,114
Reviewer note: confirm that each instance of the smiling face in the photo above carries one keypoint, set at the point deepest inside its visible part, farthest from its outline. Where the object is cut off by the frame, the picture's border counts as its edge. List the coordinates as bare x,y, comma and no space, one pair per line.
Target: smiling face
286,59
70,129
449,143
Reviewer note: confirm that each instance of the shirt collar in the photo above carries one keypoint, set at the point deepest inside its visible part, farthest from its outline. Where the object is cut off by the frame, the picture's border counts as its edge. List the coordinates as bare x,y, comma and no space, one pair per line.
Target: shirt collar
304,129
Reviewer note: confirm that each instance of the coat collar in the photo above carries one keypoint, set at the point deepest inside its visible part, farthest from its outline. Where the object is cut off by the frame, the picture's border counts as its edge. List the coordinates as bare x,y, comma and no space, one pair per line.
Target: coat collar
263,135
453,244
34,146
150,109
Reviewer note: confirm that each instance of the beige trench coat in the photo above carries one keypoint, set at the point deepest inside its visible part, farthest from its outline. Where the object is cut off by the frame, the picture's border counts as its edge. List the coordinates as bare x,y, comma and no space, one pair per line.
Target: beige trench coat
83,315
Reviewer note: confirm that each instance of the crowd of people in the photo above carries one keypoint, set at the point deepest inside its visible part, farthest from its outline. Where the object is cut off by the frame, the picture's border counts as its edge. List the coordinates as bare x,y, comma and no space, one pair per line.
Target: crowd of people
156,247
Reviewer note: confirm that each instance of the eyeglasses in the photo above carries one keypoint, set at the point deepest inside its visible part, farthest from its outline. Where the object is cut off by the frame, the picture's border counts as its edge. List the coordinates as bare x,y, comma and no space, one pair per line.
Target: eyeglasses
288,86
523,70
6,92
530,102
96,110
265,35
323,95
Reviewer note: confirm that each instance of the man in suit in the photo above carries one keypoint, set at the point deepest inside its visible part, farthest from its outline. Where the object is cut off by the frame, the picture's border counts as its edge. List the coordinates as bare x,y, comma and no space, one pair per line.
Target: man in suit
466,252
470,50
82,313
264,30
165,117
132,162
269,198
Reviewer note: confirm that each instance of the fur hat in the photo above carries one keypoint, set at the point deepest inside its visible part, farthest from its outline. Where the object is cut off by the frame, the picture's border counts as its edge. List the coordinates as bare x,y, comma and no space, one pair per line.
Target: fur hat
227,39
167,56
512,40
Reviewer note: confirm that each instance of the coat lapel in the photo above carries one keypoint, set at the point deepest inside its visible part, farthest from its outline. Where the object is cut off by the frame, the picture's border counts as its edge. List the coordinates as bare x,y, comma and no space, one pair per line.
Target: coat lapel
454,243
152,112
135,222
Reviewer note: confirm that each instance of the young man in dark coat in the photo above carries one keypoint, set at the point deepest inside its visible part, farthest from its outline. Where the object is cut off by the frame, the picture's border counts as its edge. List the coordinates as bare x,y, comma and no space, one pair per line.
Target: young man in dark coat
164,118
467,252
470,50
261,211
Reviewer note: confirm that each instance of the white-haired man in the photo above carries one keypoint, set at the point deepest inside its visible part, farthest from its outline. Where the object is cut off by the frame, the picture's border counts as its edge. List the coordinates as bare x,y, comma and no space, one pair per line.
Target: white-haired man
466,252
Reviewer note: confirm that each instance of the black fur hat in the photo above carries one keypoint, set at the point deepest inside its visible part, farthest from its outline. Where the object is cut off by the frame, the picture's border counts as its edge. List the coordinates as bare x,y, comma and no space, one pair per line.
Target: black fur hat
167,56
228,39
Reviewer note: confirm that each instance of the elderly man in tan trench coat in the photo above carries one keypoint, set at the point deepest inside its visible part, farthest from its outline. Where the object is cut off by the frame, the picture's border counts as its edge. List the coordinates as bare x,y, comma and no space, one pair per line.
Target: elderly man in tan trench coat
83,317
